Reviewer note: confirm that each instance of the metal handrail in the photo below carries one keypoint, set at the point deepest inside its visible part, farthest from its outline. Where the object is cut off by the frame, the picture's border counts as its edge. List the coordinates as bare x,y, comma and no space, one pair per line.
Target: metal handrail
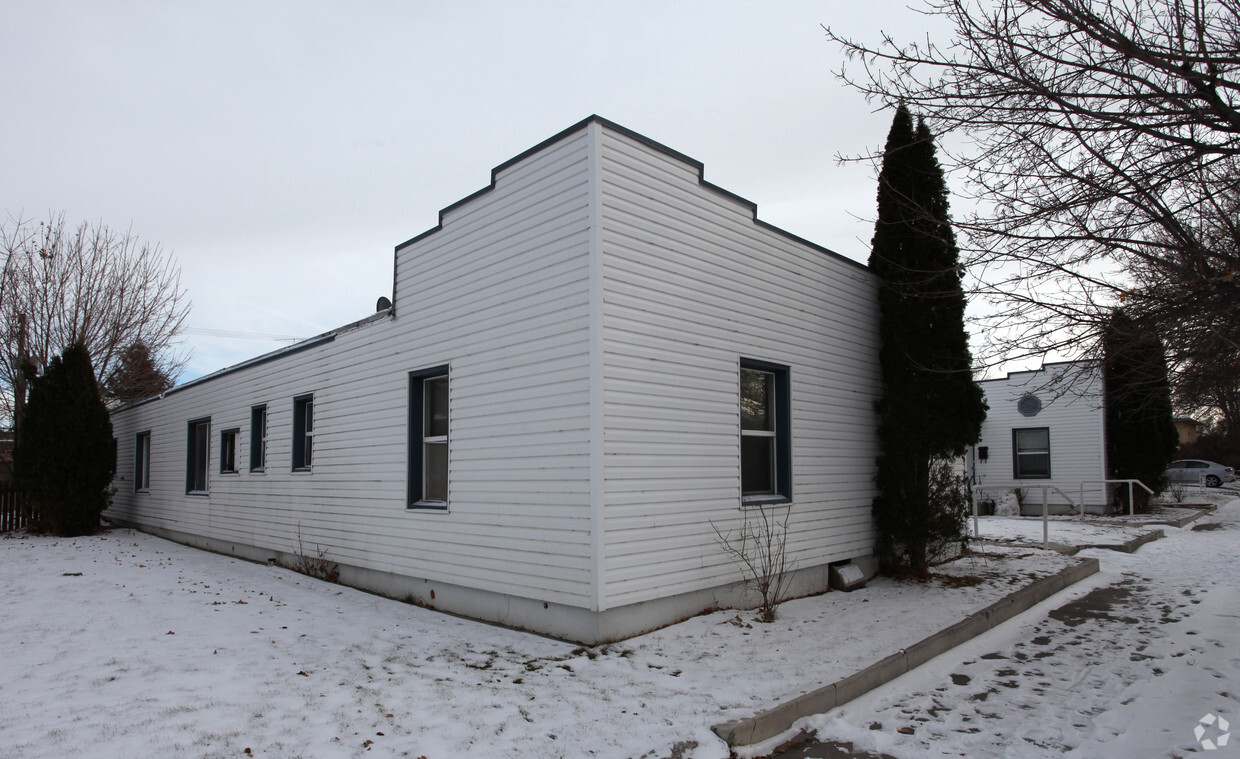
1045,506
1046,543
1045,510
1114,482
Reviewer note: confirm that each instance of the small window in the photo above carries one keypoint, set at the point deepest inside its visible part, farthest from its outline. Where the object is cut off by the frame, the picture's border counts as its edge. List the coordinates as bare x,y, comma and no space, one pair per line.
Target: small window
258,438
1031,453
766,440
303,433
428,438
198,455
142,463
228,451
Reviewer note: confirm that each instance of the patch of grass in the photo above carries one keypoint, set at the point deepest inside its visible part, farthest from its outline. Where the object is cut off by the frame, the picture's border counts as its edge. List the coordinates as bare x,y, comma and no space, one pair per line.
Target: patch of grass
958,581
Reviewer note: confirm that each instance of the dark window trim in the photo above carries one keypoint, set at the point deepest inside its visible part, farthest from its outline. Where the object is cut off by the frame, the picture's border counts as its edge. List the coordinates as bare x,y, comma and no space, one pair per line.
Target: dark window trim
413,494
191,457
1016,473
235,432
301,461
783,434
258,439
142,462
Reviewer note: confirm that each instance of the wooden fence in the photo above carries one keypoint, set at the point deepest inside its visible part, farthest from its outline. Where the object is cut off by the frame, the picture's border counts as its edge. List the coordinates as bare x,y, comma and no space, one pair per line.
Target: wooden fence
15,512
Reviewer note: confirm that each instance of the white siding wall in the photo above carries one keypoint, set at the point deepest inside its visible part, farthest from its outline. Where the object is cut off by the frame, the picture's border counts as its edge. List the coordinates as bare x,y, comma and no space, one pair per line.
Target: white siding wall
1072,409
593,306
501,294
691,284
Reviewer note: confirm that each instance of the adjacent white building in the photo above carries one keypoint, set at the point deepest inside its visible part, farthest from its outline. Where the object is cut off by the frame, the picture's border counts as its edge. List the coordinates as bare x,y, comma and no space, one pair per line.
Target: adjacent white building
1045,428
587,368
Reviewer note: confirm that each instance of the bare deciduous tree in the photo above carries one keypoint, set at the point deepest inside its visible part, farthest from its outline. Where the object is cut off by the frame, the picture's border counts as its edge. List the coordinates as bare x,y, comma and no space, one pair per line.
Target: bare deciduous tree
1101,141
1212,387
90,284
1196,316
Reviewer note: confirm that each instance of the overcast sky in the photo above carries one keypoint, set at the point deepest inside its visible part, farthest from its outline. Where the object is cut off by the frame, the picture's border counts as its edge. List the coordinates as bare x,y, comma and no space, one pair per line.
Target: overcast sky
280,150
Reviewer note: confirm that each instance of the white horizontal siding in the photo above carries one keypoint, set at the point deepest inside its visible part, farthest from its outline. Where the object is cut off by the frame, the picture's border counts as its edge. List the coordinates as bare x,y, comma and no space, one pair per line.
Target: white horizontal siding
500,294
691,285
1071,409
593,304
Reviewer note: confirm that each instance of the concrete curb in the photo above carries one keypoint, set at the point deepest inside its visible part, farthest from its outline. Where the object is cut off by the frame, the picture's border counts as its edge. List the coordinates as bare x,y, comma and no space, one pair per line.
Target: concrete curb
1201,511
1130,546
774,721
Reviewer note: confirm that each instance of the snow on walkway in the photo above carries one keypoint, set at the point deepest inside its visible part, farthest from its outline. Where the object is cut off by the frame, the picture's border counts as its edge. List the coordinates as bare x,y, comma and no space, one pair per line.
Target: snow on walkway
1123,665
128,645
1028,531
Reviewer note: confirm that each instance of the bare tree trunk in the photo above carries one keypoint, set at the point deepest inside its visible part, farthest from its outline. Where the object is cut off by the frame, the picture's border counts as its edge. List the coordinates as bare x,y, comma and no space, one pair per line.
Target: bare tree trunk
19,382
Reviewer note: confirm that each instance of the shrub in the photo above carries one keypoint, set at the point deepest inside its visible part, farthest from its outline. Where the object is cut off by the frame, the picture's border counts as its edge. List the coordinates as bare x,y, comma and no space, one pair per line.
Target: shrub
952,504
65,457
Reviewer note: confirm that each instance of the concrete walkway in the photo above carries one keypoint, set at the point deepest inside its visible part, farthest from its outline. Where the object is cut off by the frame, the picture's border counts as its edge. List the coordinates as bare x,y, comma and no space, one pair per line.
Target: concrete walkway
774,721
1110,604
780,718
1106,673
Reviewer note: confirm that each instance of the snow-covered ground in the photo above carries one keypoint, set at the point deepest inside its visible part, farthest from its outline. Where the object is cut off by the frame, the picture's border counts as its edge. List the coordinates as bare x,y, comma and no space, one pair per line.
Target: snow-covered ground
127,645
1091,530
1124,664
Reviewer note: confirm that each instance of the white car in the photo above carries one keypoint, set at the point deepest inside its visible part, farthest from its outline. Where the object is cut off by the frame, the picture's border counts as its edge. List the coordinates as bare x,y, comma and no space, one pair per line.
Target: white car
1196,471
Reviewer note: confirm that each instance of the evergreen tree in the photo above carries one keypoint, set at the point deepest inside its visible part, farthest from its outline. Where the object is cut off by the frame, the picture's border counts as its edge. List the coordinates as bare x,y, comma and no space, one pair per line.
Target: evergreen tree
66,456
1140,435
931,407
137,376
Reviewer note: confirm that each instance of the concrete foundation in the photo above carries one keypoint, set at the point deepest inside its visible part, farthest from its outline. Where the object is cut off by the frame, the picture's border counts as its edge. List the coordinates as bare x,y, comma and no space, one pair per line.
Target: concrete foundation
571,623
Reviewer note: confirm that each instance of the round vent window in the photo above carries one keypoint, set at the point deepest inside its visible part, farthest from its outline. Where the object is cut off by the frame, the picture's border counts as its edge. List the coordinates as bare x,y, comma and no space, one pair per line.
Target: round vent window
1030,405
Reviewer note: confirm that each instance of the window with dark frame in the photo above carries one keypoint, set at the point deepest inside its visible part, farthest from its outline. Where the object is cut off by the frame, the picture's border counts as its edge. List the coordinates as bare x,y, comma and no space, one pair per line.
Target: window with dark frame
142,463
228,451
1031,453
428,438
766,440
303,433
258,438
198,455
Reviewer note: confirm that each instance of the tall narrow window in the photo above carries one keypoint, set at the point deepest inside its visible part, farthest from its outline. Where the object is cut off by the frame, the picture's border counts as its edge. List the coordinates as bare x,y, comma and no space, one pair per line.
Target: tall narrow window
198,454
142,463
303,432
428,438
766,440
258,438
1031,453
228,451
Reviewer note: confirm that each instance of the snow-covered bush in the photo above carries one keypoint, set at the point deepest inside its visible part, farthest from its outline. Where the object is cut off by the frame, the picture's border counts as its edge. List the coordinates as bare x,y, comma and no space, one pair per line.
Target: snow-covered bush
1009,504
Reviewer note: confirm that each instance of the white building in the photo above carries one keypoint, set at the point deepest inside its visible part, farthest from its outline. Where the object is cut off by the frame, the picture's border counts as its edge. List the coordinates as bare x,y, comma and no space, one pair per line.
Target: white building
587,366
1045,427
